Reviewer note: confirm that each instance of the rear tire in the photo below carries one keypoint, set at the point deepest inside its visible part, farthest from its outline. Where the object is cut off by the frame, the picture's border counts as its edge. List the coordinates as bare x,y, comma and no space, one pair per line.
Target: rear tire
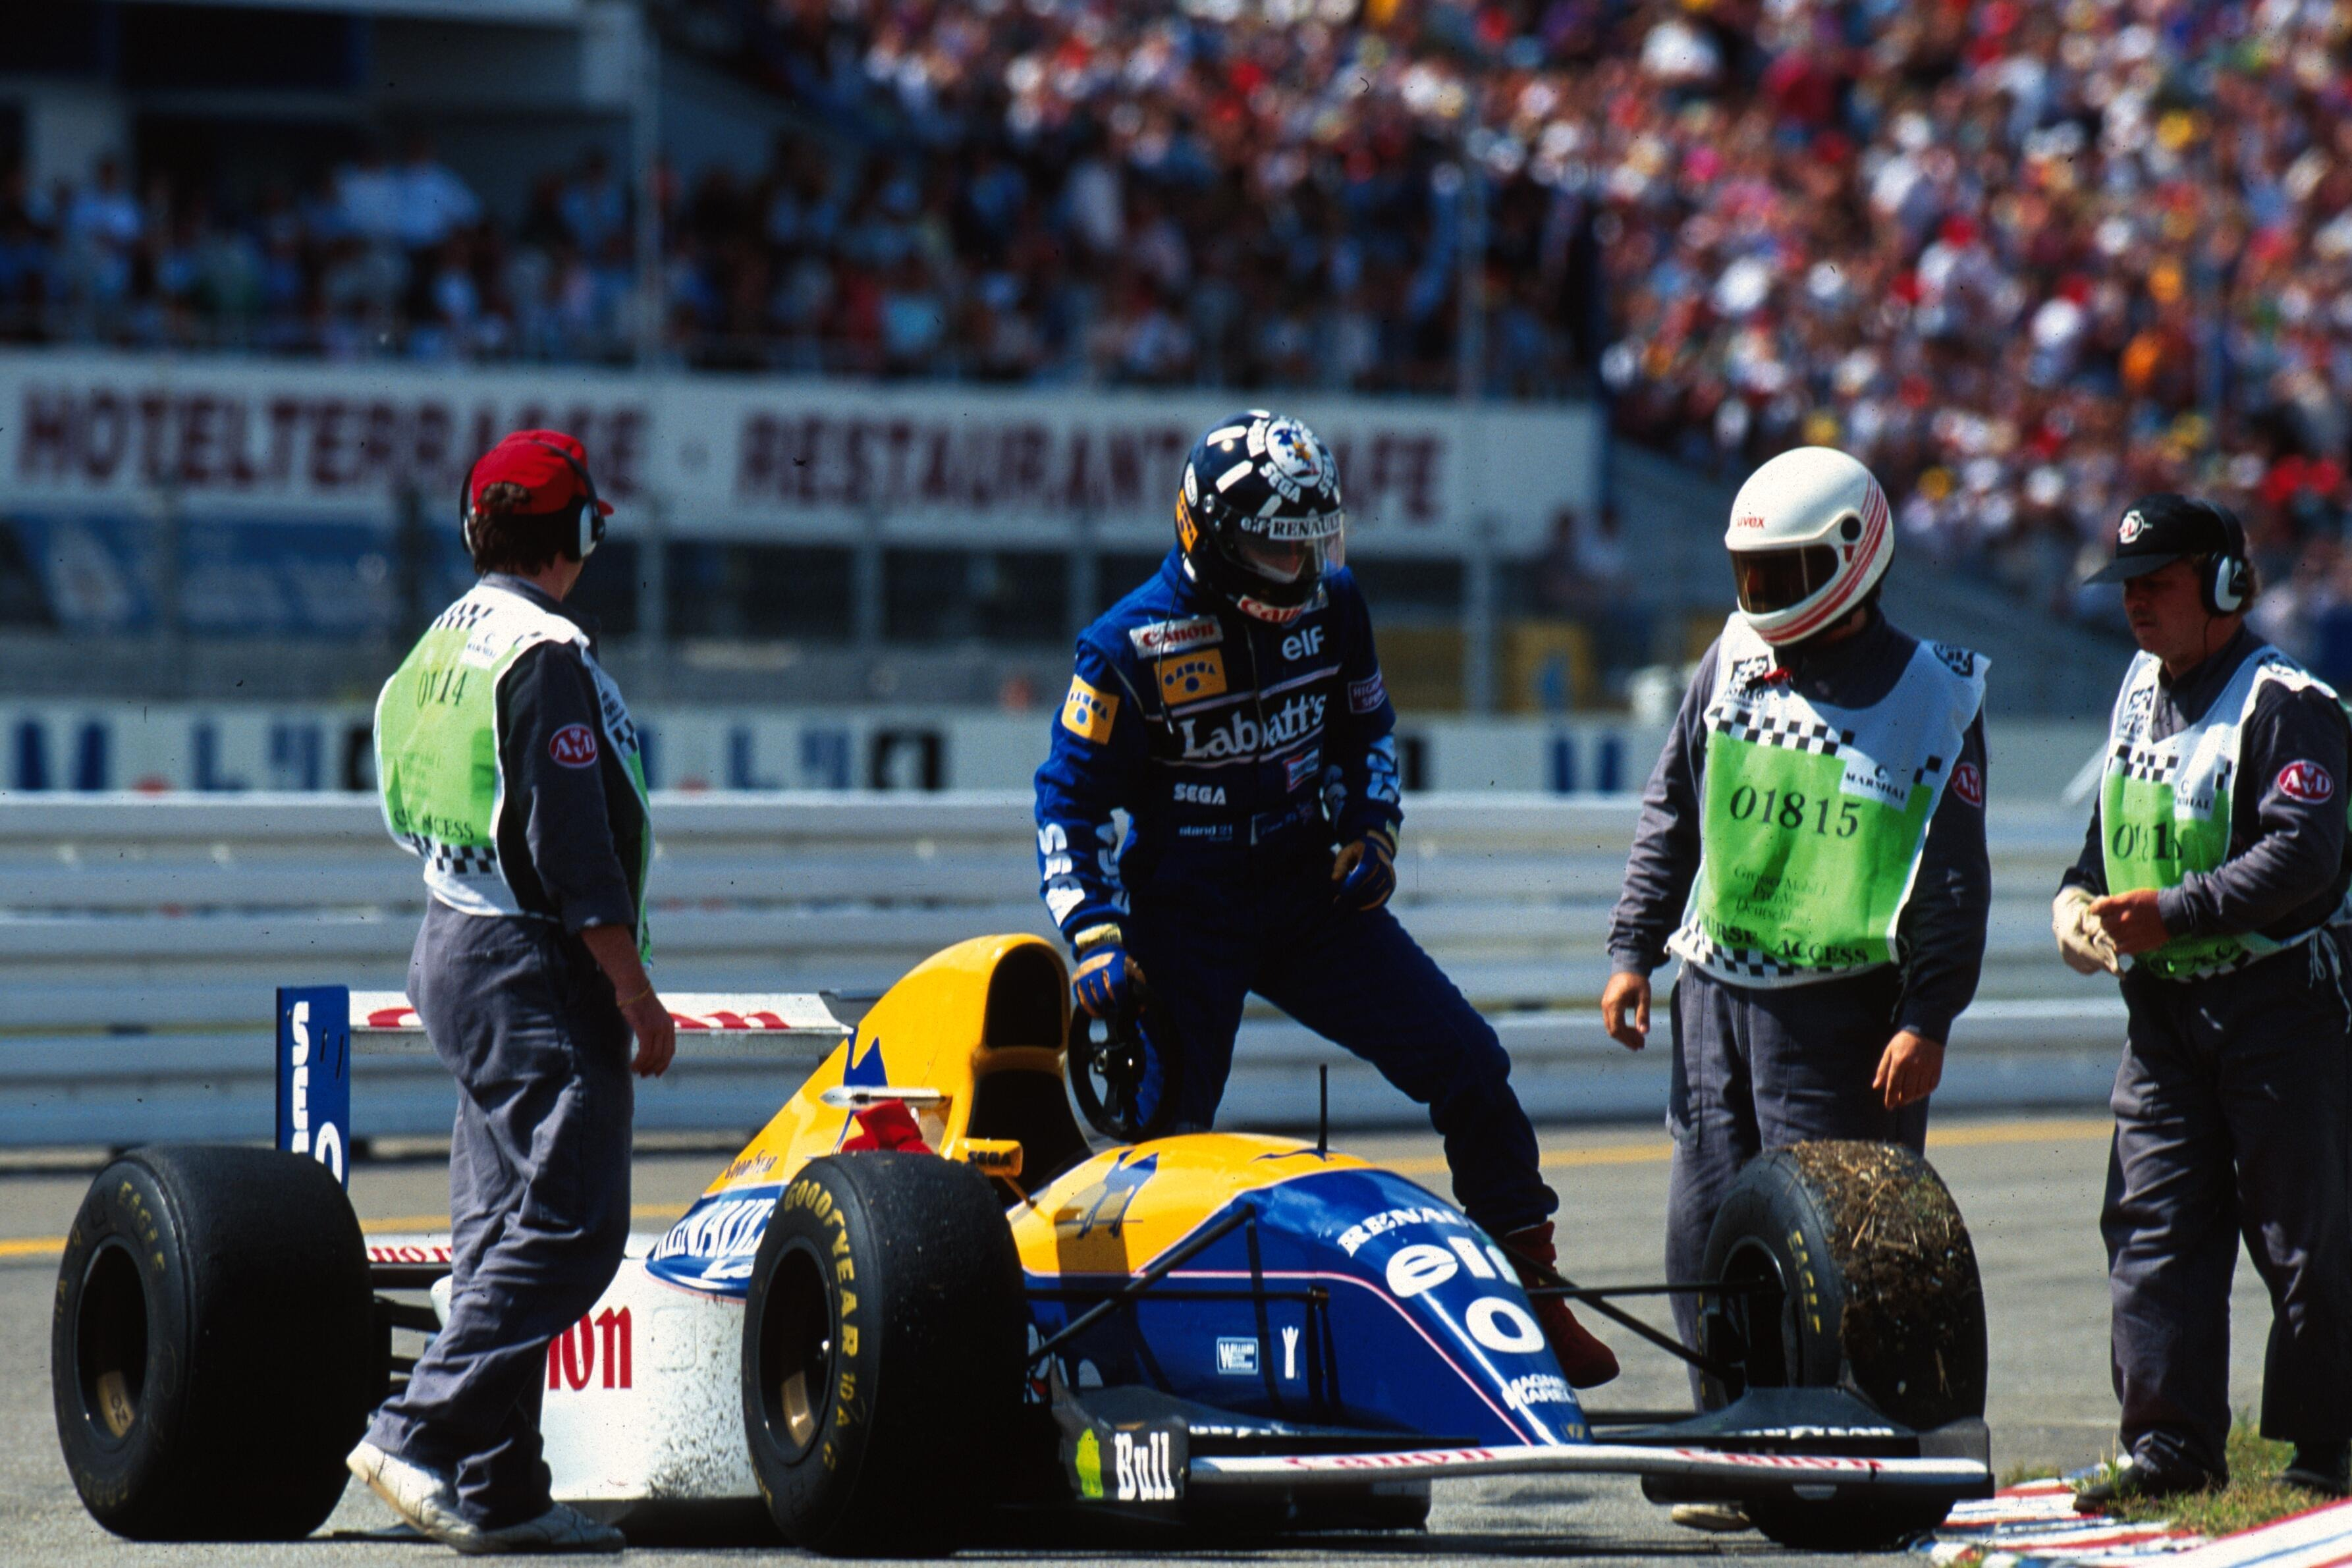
212,1356
882,1340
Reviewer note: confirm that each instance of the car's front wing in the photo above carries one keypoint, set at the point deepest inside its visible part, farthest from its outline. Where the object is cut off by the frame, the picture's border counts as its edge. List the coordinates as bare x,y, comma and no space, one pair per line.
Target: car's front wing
1740,1473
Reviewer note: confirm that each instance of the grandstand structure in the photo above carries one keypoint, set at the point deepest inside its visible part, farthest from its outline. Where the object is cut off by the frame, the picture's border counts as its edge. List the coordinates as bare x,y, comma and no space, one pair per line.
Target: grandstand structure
886,318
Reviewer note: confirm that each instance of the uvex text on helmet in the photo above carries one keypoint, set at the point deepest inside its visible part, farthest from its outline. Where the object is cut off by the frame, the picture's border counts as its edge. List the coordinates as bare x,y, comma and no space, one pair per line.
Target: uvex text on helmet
1259,517
1810,537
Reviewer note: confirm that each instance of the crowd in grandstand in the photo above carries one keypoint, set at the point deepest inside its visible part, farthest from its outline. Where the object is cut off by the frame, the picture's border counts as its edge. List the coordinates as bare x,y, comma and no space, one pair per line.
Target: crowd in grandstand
2026,259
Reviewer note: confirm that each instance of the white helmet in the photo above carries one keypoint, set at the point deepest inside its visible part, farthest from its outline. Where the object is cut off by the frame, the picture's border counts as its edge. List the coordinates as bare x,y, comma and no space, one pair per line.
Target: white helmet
1810,536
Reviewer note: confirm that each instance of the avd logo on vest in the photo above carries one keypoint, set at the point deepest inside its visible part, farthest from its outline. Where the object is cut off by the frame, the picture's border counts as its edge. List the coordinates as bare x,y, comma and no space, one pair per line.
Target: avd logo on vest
573,746
1241,735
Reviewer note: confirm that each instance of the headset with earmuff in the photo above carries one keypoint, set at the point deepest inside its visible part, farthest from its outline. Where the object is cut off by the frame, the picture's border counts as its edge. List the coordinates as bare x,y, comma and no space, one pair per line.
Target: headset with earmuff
2227,582
588,530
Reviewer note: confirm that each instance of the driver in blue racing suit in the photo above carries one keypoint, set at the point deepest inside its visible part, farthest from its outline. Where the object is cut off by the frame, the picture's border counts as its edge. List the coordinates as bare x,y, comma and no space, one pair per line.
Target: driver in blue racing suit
1232,707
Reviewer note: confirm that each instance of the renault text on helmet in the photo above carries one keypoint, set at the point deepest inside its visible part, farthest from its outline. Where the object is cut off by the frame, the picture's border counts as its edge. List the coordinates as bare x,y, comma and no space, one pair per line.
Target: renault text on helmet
1259,517
1810,537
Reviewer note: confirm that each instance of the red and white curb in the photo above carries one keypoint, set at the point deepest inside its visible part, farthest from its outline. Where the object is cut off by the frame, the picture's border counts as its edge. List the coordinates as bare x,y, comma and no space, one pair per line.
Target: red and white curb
2036,1526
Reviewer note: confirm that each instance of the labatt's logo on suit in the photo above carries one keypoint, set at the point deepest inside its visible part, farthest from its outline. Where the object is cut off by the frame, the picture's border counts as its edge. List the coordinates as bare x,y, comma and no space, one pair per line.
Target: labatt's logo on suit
1241,735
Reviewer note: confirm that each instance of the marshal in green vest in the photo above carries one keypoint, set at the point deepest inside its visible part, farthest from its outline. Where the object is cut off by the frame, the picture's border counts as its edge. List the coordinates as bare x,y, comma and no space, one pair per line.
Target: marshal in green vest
438,724
1813,817
2165,805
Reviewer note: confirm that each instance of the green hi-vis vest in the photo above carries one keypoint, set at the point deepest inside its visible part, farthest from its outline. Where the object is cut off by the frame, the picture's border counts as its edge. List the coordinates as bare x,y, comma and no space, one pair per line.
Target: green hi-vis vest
2163,805
1813,817
437,723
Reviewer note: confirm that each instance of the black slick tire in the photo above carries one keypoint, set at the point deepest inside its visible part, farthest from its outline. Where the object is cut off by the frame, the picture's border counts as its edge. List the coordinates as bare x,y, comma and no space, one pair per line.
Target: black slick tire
1863,1278
882,1340
212,1353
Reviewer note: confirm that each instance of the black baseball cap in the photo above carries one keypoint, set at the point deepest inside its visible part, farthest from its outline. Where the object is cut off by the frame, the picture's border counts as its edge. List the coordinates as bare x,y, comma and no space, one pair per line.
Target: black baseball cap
2157,530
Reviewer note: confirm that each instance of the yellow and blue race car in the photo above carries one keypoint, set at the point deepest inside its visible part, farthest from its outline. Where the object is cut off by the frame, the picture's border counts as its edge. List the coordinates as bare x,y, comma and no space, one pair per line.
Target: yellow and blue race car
923,1308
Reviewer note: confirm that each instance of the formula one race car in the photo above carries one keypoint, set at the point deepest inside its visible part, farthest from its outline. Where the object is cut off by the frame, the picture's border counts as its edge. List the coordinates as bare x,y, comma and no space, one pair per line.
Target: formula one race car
919,1309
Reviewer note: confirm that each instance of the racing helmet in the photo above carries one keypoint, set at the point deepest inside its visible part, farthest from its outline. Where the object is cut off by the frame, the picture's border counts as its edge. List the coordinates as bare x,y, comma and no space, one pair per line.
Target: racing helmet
1259,517
1810,537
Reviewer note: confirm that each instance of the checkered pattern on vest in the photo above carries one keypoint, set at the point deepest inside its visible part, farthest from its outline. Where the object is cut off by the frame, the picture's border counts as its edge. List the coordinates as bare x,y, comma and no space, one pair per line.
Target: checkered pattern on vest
457,860
1758,728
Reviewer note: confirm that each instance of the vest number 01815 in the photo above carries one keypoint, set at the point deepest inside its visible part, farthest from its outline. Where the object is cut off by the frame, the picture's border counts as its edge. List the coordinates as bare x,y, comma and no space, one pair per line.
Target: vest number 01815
1787,812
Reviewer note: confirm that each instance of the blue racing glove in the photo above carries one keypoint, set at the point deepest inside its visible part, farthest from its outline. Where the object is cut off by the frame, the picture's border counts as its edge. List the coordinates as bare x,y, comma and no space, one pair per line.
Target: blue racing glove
1105,982
1365,871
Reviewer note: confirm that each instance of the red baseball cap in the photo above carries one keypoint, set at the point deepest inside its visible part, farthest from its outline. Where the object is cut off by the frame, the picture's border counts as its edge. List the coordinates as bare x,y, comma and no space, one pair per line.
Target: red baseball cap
534,459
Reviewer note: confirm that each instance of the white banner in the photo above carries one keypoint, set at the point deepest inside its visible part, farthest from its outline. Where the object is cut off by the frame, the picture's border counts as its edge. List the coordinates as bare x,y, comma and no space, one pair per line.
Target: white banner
58,747
750,458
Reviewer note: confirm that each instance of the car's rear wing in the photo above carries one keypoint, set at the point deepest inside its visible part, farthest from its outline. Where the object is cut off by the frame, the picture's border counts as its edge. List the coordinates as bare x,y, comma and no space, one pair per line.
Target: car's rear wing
320,1027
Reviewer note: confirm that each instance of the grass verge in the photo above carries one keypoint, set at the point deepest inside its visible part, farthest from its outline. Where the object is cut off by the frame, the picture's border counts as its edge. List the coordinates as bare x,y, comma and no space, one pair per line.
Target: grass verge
2255,1495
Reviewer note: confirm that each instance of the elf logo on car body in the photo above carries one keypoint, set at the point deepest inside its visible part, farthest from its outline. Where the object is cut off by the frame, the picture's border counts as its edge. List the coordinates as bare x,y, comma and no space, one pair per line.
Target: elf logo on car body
1237,1358
572,1361
1425,1266
1968,783
1303,643
1191,677
1145,1470
1200,794
1241,735
2306,781
714,1246
573,746
1158,639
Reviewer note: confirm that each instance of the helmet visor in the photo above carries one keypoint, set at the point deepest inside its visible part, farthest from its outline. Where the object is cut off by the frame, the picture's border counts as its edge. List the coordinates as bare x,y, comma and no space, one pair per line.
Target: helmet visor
1774,579
1299,551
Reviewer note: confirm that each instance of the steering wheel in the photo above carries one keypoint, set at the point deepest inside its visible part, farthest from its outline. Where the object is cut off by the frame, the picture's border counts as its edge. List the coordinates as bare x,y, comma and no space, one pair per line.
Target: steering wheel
1125,1072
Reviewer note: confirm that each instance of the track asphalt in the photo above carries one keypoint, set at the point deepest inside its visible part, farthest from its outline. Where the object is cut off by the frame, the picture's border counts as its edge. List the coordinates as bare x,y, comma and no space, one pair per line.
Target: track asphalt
2028,1188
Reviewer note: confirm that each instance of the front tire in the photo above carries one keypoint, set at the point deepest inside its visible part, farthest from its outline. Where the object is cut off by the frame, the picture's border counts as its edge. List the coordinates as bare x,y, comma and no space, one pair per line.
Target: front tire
1867,1281
211,1351
882,1340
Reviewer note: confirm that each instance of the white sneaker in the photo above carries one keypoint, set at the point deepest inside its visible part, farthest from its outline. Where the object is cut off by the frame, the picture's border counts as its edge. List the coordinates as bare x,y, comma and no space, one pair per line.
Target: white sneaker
1721,1518
560,1529
425,1500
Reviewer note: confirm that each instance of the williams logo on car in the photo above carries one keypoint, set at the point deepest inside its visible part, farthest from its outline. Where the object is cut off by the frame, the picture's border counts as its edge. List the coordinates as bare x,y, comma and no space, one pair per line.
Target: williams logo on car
573,746
2306,781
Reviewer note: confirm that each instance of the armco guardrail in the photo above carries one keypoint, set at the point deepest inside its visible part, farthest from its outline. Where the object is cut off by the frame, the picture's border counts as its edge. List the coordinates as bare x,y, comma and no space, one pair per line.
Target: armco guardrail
142,938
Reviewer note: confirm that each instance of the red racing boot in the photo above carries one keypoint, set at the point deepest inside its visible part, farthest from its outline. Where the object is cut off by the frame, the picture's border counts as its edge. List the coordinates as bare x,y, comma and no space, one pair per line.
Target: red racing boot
1587,1362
